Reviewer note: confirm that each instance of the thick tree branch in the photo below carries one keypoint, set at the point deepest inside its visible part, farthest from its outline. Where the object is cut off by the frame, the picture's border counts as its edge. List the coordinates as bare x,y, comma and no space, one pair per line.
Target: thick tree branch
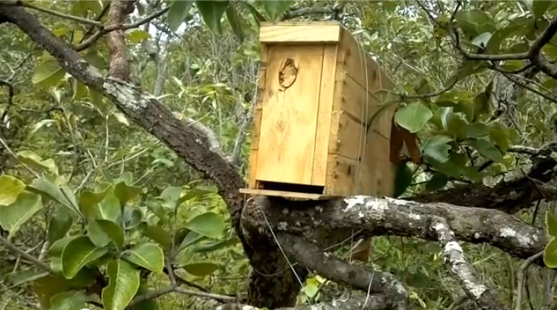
328,266
509,192
326,222
119,66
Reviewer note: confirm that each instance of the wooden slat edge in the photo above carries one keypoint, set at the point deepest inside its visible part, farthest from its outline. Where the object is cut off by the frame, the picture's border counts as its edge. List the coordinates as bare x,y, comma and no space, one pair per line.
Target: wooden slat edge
299,33
295,195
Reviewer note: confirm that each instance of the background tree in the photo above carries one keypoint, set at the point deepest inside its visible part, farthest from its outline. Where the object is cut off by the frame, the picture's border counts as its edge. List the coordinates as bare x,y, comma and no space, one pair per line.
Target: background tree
125,127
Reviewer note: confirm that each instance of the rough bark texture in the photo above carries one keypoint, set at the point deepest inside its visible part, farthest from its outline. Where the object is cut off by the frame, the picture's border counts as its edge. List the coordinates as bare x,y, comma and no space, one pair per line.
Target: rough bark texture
466,275
326,222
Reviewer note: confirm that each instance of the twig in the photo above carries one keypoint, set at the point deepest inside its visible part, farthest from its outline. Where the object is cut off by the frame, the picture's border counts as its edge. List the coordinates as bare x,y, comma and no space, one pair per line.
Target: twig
520,278
25,255
528,87
104,30
11,93
463,271
151,295
61,15
9,150
171,274
206,295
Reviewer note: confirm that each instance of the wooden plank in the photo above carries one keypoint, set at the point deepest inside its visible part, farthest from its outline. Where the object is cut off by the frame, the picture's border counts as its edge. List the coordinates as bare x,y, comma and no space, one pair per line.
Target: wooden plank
326,98
257,114
341,173
295,195
296,33
289,117
380,172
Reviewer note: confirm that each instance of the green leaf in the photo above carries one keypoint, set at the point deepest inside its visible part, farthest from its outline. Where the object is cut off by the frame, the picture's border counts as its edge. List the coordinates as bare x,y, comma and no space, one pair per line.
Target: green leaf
137,36
122,286
87,199
191,238
403,179
107,209
95,60
437,182
437,148
550,254
474,22
457,125
158,210
157,234
121,118
201,269
77,253
71,300
207,224
125,192
413,117
539,7
196,192
171,195
102,232
53,284
258,17
235,22
34,160
61,194
132,218
212,11
482,40
217,245
275,9
487,150
177,13
79,90
96,97
60,223
11,188
147,255
48,73
551,224
498,134
19,212
477,130
15,279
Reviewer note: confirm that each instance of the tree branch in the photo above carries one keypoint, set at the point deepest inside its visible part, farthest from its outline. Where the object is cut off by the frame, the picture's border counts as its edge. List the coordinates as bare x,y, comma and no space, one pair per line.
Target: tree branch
509,192
464,272
12,247
324,220
328,266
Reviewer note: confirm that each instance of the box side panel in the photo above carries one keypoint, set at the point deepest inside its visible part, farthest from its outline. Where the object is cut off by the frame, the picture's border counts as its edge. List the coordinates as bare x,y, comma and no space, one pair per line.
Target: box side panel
359,104
332,181
341,175
365,73
326,99
289,114
257,114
